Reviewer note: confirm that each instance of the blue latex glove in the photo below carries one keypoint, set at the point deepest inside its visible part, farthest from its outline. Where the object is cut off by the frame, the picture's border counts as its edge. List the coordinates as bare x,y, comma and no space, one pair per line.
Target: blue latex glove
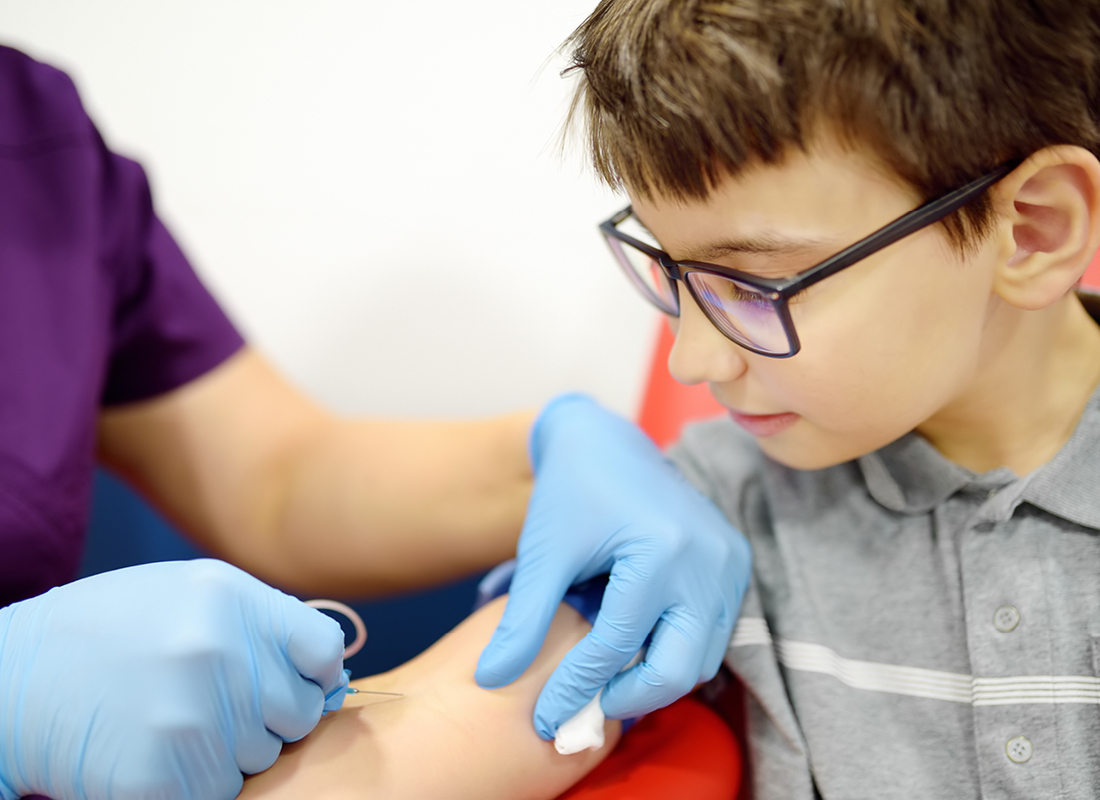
607,500
165,680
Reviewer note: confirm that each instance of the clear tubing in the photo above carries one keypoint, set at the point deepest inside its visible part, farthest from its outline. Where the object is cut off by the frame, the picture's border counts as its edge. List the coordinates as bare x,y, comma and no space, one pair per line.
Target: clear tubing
349,612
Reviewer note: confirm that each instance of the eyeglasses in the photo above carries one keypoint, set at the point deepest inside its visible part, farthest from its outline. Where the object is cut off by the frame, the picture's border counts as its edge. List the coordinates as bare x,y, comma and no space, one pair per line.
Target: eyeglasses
753,311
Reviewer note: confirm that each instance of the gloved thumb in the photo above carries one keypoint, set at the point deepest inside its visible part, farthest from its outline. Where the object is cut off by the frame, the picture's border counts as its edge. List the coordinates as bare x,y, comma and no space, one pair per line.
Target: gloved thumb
532,602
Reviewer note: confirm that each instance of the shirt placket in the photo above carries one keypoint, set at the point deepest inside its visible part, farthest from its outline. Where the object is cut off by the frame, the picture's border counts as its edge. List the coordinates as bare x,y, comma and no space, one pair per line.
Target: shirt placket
1009,640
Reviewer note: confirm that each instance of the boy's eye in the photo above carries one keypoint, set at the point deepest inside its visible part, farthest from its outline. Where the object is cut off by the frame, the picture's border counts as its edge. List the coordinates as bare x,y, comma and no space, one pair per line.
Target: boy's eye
738,294
725,292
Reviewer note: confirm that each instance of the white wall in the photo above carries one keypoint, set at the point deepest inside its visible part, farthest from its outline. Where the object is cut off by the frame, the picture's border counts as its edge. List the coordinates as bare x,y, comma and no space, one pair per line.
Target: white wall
372,189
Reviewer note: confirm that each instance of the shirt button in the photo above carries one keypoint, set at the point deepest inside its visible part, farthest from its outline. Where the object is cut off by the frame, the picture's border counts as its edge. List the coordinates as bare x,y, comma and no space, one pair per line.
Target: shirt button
1018,749
1006,618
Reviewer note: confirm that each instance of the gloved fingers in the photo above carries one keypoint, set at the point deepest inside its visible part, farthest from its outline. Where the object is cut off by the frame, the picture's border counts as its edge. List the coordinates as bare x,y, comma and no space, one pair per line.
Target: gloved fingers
533,600
717,647
293,682
541,431
314,643
627,614
719,634
630,607
581,425
586,669
257,751
290,705
181,759
671,668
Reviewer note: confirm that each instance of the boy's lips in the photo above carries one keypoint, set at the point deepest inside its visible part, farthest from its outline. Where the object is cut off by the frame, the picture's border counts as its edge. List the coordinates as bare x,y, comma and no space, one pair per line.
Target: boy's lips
764,424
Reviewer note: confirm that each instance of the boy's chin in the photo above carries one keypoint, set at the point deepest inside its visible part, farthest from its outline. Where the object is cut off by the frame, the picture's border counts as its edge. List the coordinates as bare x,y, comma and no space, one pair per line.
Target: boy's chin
803,455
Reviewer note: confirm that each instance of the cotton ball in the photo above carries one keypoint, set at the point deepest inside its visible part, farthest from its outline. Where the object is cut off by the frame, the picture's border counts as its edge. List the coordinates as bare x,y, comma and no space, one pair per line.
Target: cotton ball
583,731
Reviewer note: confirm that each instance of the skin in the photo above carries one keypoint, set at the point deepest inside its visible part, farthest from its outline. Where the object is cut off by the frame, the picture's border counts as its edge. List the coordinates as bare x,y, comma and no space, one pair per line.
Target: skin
988,353
446,738
263,477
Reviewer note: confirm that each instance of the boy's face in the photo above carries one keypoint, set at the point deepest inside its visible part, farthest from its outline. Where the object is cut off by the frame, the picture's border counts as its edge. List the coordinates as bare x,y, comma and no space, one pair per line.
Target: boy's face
888,344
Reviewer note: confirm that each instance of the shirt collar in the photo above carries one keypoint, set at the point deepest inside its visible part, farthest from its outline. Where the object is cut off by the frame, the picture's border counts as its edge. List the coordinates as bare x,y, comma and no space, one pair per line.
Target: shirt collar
1069,484
910,476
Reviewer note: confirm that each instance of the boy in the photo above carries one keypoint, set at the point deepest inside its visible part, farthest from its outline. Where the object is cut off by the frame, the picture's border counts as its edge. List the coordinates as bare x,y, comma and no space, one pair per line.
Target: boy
914,442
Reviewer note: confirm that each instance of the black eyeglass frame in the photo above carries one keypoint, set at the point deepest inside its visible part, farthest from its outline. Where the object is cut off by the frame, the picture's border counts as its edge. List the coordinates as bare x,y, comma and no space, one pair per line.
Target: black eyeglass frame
780,290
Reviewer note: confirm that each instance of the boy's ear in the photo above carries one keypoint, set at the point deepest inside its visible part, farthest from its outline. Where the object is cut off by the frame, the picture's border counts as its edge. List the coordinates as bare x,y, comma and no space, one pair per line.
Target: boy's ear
1052,204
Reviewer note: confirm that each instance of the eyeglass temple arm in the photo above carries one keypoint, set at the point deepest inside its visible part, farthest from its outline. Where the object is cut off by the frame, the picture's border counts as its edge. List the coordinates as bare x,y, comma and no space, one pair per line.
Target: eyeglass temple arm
901,227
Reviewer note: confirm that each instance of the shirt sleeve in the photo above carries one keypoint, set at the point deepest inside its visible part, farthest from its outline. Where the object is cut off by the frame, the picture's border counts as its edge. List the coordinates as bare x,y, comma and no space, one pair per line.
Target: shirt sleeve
167,330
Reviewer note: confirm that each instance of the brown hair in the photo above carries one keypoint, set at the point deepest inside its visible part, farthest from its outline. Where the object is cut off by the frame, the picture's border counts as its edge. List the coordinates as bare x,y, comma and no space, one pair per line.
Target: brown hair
675,93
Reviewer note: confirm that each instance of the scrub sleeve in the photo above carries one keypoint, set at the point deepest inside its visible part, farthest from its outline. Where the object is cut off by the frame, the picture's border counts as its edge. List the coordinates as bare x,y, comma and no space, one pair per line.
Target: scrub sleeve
98,307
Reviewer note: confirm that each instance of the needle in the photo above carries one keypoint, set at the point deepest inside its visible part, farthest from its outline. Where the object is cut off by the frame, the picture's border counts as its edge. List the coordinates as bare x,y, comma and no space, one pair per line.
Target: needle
353,690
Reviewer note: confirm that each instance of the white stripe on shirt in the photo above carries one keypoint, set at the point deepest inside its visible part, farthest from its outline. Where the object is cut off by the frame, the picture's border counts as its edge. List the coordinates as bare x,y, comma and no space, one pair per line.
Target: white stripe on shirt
955,687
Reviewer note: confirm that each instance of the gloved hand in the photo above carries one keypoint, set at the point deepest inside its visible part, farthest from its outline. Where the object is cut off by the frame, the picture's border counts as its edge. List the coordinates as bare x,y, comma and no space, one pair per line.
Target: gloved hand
607,500
160,681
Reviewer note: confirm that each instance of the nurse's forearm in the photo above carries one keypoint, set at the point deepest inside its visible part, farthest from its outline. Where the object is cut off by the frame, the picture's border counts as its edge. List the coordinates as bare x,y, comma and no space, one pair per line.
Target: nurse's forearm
375,506
263,477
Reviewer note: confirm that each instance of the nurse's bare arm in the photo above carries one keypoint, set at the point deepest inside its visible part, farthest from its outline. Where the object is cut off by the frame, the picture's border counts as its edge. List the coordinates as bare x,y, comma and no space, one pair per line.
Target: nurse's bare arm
265,478
446,739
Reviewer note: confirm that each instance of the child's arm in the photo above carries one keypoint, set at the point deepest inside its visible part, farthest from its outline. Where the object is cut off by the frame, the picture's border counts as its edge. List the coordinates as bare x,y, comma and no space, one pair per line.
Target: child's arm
446,738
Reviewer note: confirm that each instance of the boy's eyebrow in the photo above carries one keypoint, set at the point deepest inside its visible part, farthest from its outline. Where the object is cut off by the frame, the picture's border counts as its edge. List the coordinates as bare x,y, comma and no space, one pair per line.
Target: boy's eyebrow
766,243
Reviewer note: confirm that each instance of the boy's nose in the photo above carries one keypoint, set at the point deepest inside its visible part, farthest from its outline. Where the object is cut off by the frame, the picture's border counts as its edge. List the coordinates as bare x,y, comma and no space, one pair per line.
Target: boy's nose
701,353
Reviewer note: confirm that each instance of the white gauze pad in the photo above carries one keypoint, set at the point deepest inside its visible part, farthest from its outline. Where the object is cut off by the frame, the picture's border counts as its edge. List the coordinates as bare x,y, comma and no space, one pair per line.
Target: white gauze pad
583,731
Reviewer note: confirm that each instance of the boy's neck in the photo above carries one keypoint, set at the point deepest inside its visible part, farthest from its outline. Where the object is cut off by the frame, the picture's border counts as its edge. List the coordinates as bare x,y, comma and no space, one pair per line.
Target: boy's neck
1037,373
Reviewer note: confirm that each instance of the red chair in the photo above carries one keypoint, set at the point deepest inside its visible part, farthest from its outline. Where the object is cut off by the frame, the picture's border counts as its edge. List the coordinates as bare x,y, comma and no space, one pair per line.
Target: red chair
1091,278
684,750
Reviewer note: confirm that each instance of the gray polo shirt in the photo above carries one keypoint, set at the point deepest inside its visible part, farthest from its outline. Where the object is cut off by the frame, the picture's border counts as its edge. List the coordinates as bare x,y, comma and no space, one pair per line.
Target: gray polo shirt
915,630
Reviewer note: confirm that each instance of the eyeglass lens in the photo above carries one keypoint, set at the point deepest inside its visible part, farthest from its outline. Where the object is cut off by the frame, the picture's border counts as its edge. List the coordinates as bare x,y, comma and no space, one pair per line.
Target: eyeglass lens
739,311
644,272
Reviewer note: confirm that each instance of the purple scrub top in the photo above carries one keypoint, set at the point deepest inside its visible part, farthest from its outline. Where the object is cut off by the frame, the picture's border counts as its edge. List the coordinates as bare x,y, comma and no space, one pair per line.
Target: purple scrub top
98,307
